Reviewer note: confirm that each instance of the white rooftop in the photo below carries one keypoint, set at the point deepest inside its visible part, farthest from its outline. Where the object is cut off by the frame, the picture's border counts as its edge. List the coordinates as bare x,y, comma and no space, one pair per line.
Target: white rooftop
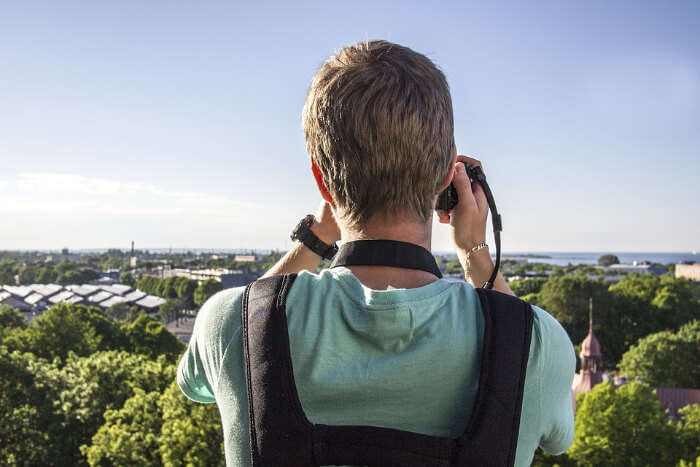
135,295
116,289
149,301
113,300
34,298
46,290
61,296
83,290
19,290
99,297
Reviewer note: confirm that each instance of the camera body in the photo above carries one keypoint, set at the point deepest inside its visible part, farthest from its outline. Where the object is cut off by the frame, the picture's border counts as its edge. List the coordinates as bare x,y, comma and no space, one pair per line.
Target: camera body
448,199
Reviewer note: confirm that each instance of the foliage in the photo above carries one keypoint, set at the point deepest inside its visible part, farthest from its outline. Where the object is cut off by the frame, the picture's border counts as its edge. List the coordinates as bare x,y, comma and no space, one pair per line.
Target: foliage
191,432
529,285
11,318
608,260
67,328
666,359
30,425
171,310
623,427
129,435
89,386
148,336
127,278
154,429
689,431
205,290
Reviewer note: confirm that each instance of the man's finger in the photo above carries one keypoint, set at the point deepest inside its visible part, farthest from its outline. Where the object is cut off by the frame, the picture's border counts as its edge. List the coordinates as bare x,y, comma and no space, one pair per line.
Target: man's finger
464,189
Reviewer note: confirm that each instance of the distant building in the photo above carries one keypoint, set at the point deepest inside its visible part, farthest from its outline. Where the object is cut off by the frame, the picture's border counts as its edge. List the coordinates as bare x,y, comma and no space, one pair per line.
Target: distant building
32,300
590,373
245,258
671,399
688,271
636,269
228,278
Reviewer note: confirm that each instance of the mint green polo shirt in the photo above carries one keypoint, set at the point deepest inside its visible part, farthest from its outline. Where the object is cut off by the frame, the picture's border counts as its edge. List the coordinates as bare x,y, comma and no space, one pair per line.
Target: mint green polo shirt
400,358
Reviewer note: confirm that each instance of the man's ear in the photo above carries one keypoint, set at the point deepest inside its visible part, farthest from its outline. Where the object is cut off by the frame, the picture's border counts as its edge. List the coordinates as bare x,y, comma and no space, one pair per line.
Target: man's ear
450,173
321,184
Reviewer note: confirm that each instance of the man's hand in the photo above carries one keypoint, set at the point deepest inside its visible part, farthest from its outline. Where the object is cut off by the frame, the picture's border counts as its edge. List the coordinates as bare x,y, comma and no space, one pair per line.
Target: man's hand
468,218
468,221
326,227
300,257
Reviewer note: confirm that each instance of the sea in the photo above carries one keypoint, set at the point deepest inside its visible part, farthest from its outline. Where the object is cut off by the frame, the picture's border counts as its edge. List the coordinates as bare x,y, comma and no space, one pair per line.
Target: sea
566,258
557,258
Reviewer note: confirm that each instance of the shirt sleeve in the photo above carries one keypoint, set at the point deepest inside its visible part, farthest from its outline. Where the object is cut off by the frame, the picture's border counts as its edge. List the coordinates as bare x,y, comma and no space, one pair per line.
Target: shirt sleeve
200,365
558,364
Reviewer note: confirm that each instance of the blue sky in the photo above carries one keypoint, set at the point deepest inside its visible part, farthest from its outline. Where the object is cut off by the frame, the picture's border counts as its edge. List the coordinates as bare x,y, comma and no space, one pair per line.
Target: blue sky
178,123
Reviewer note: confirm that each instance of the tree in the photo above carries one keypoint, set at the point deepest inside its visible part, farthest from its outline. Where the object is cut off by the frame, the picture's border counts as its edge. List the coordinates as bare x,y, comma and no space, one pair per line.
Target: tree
166,288
608,260
623,427
170,310
30,425
67,328
89,386
529,285
689,431
127,278
205,290
130,434
149,337
148,285
11,318
567,299
154,429
191,433
666,359
185,290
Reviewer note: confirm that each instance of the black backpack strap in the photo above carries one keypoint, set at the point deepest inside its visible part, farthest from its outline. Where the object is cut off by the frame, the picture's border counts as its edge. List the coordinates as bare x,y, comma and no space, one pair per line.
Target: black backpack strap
278,434
491,438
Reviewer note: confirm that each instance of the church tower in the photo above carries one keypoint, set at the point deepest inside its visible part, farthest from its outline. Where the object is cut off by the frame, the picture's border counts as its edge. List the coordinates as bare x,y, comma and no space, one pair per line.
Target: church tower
590,373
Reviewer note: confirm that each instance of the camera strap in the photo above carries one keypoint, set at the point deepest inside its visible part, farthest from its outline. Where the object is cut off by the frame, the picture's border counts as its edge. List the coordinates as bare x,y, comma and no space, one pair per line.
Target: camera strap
386,253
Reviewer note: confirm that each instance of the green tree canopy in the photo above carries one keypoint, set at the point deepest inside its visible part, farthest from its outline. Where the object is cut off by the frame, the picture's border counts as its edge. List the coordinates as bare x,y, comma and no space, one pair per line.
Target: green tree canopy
666,359
127,278
529,285
149,337
623,427
67,328
608,260
689,431
89,386
205,290
171,309
154,429
11,318
30,425
130,434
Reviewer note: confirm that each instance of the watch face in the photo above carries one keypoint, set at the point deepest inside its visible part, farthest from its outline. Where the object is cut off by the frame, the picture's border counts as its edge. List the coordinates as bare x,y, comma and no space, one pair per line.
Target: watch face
302,227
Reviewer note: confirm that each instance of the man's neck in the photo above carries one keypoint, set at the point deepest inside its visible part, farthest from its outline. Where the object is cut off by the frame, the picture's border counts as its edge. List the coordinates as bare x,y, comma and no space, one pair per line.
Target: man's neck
381,277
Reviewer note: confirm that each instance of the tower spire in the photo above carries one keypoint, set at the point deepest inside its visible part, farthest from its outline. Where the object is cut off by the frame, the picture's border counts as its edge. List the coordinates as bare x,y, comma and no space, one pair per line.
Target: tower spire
590,315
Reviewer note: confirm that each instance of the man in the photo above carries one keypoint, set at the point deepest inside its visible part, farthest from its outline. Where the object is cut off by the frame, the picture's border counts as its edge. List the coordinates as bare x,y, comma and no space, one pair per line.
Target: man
380,345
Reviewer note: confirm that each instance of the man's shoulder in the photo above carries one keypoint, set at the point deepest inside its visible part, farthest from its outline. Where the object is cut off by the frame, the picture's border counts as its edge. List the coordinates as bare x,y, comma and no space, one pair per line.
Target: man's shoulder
220,314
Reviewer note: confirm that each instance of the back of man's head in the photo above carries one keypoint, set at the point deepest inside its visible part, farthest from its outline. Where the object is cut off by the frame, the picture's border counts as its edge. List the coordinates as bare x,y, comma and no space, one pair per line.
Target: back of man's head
378,124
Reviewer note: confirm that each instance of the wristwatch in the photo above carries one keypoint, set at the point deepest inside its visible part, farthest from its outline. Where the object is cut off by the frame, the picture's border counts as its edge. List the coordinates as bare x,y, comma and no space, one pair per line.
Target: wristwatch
302,232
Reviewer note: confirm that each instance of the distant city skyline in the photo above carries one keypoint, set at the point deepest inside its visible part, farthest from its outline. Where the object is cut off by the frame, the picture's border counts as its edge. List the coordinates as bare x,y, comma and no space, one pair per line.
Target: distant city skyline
178,125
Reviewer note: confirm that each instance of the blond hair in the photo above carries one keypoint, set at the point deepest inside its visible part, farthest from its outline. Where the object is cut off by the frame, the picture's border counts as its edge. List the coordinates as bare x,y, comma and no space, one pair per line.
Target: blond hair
378,124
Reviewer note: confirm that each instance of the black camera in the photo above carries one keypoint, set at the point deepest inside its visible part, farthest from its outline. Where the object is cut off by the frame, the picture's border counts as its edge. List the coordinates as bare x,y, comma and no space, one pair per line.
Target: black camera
448,199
